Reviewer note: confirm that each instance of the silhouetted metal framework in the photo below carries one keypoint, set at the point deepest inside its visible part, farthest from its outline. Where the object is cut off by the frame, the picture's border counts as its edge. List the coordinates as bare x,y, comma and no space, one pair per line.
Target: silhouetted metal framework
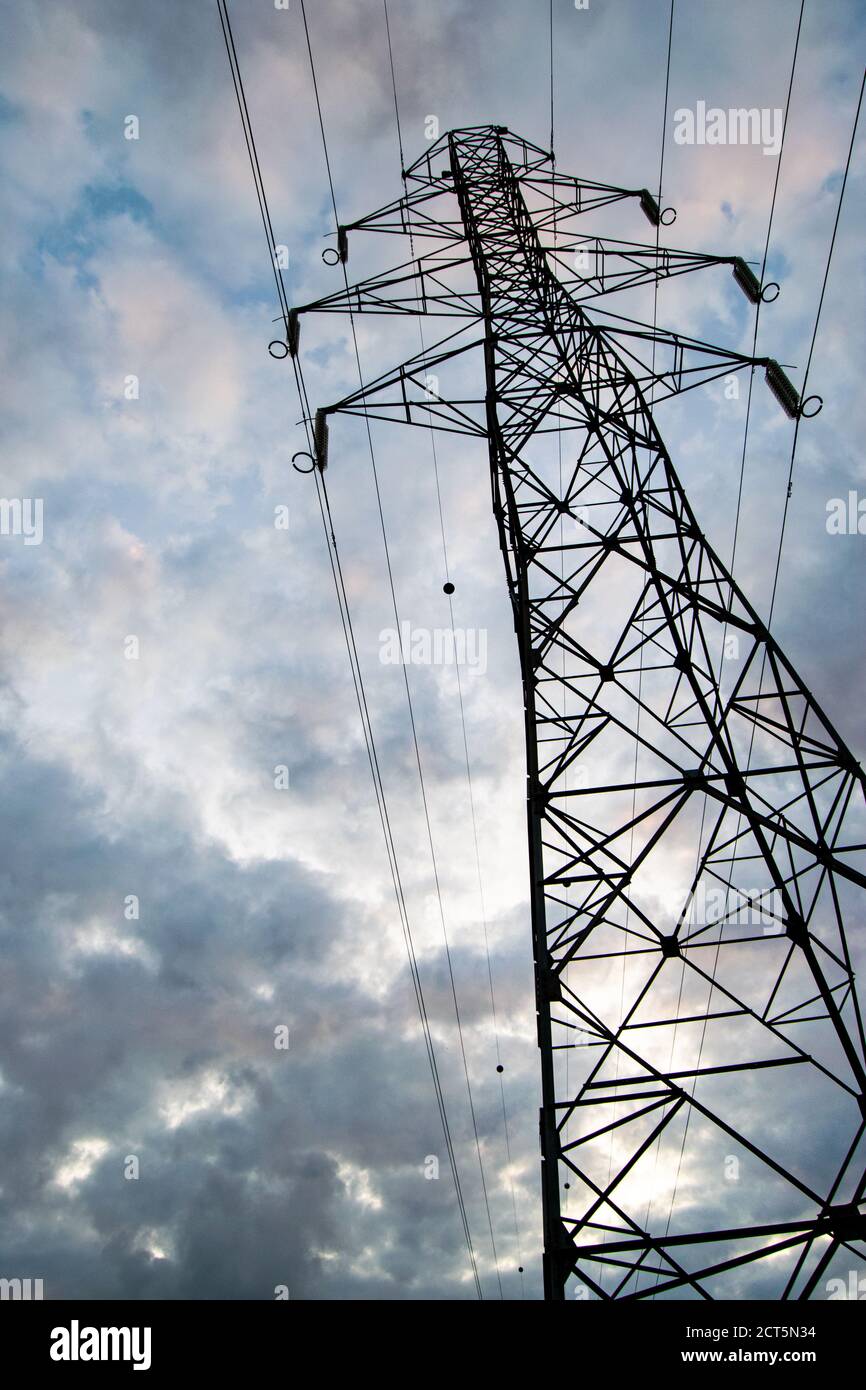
696,824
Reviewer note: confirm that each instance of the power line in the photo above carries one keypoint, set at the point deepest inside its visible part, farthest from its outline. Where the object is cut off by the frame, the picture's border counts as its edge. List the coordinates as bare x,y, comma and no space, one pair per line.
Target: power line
357,677
661,175
394,89
665,113
410,706
730,878
249,139
637,747
551,79
763,273
812,344
467,759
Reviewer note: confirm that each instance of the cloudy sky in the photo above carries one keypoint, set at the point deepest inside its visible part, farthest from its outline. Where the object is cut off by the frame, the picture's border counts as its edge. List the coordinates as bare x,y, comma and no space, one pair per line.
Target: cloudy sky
142,407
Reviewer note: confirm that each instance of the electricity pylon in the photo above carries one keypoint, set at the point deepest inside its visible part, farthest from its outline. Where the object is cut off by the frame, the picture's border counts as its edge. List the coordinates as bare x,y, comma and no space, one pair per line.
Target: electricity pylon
695,822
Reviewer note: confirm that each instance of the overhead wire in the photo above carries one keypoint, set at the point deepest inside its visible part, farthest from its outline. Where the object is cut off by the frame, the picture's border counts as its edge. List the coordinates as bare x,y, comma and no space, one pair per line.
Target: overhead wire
790,476
249,139
410,705
551,81
764,260
348,630
807,1245
787,499
740,488
560,481
641,620
812,346
465,737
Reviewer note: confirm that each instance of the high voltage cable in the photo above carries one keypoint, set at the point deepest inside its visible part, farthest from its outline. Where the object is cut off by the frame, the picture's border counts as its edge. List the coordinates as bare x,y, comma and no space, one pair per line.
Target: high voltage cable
812,344
394,90
460,698
655,316
662,144
736,529
661,177
343,602
345,614
551,78
249,139
348,630
417,750
806,374
415,742
797,421
763,272
667,91
737,517
561,517
724,629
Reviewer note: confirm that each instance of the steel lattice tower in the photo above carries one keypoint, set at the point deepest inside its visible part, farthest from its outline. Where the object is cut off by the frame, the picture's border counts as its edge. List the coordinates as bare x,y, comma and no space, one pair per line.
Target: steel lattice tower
695,822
